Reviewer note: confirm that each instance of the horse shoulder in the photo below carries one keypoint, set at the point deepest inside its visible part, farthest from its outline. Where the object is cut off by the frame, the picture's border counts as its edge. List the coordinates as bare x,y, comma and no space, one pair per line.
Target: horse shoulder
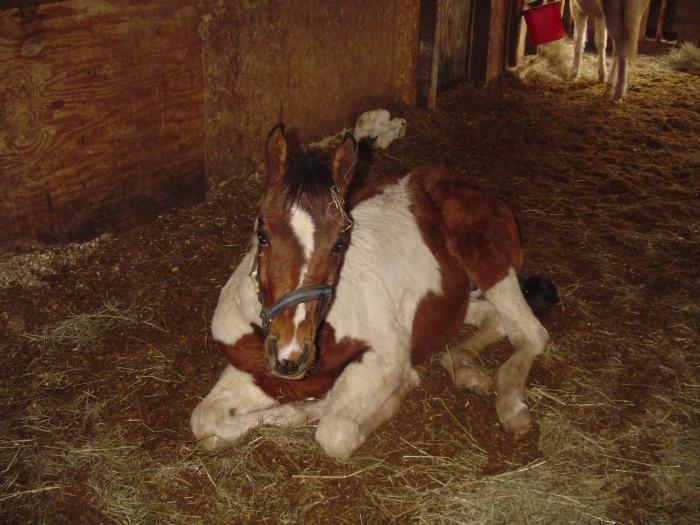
387,270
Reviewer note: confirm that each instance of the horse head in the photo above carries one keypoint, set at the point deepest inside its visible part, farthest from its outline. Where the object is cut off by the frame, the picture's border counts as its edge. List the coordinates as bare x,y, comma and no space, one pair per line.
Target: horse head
303,230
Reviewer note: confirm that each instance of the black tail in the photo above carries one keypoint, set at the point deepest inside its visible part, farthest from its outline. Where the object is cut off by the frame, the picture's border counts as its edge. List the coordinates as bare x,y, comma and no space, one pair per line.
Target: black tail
540,293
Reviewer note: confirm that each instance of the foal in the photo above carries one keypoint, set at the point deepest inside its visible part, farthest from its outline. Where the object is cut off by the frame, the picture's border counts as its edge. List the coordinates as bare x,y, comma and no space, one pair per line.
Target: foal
622,18
336,300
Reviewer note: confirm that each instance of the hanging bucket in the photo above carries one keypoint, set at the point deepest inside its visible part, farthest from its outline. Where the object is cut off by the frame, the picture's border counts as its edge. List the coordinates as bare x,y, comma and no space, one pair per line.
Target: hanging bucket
544,23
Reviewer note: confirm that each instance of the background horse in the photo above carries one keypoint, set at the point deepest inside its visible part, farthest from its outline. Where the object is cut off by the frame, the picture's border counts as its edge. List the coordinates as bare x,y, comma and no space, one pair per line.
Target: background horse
335,300
622,19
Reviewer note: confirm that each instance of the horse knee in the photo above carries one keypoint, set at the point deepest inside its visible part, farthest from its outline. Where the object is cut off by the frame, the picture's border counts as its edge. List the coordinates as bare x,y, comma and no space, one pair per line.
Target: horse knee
339,436
206,423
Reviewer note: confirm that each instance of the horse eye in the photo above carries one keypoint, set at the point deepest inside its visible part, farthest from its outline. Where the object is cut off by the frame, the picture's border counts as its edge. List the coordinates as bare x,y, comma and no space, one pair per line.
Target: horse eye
262,239
339,246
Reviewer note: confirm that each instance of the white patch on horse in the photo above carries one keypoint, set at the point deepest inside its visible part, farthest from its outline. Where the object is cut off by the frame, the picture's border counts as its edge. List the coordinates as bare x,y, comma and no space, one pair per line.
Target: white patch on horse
238,304
236,404
303,227
388,269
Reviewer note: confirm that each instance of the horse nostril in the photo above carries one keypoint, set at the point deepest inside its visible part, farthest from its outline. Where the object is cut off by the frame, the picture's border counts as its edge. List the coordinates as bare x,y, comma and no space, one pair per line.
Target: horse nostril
287,367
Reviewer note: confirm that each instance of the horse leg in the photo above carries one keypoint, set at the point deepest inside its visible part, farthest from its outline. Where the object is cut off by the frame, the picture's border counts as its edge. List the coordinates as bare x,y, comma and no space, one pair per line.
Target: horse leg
601,41
529,339
389,408
580,23
461,362
620,71
236,405
365,395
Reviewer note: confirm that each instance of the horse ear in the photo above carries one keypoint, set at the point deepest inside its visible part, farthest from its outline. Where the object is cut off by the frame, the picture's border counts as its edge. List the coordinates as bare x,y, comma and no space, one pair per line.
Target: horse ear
343,163
275,155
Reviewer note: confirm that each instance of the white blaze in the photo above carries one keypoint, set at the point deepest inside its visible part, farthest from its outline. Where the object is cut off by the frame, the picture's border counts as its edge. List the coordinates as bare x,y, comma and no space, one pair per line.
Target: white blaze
303,227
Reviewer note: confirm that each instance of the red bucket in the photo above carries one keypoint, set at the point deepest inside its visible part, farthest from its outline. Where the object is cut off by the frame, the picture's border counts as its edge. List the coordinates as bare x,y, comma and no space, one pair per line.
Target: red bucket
544,23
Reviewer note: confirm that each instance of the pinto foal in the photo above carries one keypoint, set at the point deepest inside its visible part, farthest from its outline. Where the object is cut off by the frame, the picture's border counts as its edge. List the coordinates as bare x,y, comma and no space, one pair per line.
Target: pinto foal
336,300
622,19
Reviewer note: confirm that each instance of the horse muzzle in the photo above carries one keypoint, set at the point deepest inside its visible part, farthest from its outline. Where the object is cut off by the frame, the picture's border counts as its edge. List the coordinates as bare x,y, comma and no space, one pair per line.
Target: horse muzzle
291,367
299,354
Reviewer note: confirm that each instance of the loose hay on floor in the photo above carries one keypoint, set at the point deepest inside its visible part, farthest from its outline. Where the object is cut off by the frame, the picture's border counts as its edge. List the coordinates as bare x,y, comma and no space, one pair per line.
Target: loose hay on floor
94,428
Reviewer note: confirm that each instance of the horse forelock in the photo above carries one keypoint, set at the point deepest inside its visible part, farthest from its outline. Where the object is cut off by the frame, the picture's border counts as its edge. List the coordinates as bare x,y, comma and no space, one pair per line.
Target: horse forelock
307,177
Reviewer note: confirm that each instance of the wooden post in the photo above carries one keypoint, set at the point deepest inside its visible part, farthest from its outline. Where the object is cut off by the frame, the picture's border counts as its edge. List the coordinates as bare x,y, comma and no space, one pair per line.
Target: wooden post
435,62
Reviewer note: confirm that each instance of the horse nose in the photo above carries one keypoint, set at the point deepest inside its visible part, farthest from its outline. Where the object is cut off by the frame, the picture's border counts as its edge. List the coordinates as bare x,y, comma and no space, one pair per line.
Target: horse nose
287,367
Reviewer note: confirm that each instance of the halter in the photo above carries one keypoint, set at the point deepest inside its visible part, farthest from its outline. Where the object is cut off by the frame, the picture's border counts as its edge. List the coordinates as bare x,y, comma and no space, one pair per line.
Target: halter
305,294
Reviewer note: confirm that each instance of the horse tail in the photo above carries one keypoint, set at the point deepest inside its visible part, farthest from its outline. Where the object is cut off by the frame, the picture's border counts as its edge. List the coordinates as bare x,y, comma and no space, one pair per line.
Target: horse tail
540,293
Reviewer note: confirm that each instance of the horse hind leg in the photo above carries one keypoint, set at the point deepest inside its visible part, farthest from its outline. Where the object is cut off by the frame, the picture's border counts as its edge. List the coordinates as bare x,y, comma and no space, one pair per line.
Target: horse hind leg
580,23
529,339
601,41
461,362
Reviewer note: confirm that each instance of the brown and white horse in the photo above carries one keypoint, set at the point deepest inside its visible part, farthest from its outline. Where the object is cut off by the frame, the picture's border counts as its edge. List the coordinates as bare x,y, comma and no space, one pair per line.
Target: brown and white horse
622,19
335,301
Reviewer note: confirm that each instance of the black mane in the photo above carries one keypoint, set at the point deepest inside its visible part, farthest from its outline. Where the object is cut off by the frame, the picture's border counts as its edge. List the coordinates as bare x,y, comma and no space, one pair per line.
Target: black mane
307,175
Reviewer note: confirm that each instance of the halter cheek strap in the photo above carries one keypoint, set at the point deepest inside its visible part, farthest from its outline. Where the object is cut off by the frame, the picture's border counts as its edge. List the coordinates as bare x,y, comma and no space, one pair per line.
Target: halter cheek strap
317,292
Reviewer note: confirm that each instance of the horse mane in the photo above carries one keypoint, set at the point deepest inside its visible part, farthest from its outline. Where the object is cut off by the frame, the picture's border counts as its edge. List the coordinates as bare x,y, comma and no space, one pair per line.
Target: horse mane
307,176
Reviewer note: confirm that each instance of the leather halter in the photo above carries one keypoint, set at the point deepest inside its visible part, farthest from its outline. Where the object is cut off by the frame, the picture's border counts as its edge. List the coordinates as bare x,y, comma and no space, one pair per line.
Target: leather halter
305,294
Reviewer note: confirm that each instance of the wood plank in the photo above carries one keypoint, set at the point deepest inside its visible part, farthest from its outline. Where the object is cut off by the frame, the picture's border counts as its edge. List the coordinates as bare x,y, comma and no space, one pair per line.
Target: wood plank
102,105
497,40
453,41
406,51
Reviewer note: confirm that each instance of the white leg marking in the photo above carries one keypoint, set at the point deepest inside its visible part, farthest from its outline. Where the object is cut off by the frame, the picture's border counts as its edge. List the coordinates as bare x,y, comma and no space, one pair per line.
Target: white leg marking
601,41
364,396
529,339
212,420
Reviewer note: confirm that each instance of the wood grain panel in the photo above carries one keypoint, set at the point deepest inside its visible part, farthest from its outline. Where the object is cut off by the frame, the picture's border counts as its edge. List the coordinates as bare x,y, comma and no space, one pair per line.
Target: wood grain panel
101,111
316,64
453,41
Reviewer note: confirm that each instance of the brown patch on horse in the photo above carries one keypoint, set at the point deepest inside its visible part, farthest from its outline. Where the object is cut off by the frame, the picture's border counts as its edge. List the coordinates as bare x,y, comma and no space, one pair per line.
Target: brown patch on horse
438,317
481,230
248,356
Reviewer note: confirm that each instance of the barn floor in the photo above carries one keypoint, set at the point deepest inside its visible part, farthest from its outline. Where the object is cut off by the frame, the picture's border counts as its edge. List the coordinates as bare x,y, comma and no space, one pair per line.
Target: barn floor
105,349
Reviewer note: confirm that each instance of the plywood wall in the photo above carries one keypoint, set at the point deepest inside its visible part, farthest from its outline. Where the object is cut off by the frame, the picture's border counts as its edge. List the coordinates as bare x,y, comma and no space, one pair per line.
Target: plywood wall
101,106
453,40
112,107
314,64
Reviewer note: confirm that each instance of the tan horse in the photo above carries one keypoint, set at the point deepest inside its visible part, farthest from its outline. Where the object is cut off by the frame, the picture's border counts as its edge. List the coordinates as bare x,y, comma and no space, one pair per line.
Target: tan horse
339,296
622,19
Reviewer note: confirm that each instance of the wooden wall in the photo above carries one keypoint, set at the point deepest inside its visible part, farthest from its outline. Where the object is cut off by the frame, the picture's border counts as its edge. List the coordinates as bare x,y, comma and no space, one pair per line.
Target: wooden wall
100,114
454,41
112,107
314,64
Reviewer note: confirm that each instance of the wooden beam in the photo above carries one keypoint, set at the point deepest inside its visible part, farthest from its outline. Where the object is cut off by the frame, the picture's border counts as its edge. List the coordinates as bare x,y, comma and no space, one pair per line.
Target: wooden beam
435,61
14,4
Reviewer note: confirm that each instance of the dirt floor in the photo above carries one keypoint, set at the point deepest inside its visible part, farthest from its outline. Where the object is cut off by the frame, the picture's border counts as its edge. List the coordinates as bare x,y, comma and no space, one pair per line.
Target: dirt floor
105,346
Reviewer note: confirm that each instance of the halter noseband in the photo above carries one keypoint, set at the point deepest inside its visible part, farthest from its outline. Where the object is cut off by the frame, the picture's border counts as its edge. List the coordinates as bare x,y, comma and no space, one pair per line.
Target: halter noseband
305,294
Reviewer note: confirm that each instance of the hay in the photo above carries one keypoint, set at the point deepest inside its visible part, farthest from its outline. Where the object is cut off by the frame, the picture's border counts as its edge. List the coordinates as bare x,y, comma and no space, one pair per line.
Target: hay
553,63
96,426
83,330
31,269
685,58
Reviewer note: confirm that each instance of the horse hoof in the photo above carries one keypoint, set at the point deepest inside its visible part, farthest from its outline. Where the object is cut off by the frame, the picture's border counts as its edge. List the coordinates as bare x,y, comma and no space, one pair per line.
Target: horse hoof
339,436
212,443
475,379
515,418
